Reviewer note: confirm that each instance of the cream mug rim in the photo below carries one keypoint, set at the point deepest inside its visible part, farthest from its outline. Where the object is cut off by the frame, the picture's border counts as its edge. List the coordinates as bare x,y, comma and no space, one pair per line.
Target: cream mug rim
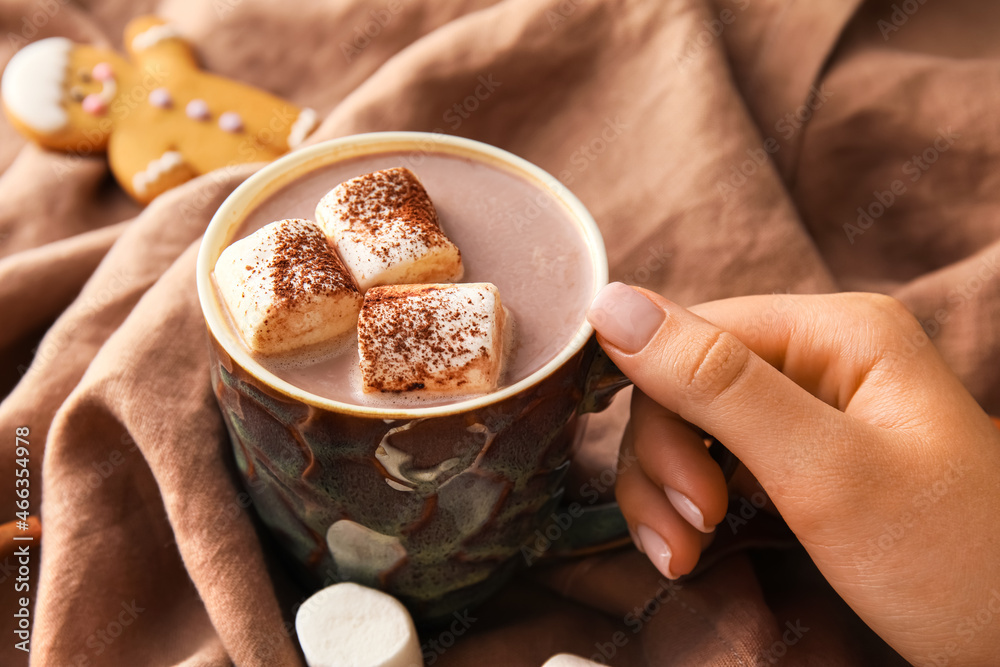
271,178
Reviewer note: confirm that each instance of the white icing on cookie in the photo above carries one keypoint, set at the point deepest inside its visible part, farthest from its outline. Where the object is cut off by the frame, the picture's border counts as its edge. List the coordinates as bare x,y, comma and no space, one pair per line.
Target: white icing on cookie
303,125
34,82
156,169
154,35
109,88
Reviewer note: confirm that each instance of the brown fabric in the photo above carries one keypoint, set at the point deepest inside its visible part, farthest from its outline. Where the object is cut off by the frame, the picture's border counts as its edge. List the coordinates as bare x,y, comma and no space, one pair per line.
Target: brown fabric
648,116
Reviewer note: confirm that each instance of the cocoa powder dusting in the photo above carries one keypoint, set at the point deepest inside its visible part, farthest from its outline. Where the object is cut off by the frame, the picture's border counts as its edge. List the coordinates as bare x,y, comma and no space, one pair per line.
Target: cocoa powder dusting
305,264
399,322
392,196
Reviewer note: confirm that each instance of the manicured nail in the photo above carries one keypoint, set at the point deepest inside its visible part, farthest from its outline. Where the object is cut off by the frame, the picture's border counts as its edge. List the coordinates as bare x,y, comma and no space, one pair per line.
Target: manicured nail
657,550
636,540
687,509
625,317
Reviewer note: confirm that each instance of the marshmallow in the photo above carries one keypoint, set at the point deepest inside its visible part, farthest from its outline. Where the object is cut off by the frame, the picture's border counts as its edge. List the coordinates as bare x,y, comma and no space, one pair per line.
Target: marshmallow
285,288
447,338
568,660
347,625
386,230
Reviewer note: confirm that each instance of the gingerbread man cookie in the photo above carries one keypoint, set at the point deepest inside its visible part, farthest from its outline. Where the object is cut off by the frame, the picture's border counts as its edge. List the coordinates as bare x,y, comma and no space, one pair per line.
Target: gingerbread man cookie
160,118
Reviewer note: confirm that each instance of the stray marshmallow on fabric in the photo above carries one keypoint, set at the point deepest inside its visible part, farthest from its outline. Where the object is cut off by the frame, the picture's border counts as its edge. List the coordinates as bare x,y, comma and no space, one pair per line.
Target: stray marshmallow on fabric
568,660
347,625
286,288
444,338
386,230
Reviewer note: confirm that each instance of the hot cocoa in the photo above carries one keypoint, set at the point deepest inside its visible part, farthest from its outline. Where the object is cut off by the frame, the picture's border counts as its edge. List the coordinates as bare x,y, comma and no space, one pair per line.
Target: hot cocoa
510,233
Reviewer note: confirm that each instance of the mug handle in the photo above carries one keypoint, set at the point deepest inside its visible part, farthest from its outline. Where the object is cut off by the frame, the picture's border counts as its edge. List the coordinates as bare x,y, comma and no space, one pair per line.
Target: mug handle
604,380
598,528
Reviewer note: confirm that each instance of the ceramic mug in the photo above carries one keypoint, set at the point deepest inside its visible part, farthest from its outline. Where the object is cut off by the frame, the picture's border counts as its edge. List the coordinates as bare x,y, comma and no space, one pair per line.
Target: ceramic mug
434,505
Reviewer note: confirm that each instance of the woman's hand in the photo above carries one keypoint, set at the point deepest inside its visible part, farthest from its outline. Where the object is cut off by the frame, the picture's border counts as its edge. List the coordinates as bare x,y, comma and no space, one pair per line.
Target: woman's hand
876,456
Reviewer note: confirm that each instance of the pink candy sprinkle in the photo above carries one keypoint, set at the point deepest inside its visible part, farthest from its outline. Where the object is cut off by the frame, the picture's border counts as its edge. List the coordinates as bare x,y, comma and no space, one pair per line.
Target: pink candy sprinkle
94,104
197,109
160,97
103,72
230,121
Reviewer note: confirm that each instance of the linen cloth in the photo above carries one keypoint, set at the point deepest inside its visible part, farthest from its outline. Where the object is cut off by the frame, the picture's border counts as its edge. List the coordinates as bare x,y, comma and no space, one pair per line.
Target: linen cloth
725,147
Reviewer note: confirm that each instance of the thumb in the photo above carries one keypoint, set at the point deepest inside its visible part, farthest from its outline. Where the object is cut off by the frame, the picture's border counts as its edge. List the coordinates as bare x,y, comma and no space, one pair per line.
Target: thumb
711,379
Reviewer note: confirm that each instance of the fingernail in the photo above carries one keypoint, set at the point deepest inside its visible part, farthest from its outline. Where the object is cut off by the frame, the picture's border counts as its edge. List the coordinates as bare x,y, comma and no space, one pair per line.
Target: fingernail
687,509
636,540
657,550
625,317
